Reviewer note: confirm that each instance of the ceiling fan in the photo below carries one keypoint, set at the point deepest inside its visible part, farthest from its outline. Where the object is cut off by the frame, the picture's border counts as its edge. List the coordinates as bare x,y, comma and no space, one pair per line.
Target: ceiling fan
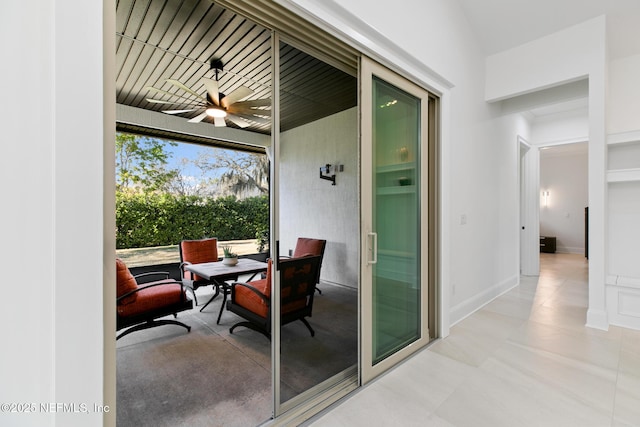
216,105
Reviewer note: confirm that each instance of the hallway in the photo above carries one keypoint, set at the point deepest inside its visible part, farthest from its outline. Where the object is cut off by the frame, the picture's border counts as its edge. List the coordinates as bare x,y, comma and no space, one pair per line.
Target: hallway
525,359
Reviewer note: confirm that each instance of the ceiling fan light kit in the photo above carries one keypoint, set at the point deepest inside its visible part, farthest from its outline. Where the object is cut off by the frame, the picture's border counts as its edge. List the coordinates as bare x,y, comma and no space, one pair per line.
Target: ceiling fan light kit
216,112
214,104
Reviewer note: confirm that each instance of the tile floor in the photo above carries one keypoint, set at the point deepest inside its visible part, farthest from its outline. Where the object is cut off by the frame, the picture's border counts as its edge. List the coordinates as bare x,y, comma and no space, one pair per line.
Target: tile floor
525,359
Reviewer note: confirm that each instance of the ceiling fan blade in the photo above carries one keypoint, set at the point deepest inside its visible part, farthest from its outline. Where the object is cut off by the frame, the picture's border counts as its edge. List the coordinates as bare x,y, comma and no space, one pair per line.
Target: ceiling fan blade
238,121
186,89
164,92
219,122
159,101
178,111
234,109
236,95
198,118
212,90
254,103
251,118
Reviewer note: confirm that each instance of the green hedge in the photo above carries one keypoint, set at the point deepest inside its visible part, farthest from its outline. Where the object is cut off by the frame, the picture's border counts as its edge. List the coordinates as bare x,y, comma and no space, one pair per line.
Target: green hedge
147,220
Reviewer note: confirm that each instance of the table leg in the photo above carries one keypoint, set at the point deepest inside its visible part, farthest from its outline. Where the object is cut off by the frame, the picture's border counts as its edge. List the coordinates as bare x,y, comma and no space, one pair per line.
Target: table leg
226,289
215,294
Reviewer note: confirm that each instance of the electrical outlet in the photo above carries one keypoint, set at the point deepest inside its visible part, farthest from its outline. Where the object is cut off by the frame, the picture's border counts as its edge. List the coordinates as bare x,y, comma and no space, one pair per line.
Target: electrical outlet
463,219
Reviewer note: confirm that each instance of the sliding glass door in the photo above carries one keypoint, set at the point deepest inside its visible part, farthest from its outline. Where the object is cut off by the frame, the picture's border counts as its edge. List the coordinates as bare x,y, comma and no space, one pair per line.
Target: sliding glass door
315,338
395,197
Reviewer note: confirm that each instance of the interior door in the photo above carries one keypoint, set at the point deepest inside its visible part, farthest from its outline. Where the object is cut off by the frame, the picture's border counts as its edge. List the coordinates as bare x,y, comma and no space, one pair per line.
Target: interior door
522,150
395,200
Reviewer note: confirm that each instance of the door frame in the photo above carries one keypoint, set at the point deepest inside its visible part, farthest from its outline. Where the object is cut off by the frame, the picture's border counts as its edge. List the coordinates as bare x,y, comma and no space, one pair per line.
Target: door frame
310,401
368,69
528,161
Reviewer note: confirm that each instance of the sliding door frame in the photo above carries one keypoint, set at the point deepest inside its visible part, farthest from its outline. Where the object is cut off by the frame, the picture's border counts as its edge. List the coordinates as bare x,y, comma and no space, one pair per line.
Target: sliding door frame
312,400
316,32
368,69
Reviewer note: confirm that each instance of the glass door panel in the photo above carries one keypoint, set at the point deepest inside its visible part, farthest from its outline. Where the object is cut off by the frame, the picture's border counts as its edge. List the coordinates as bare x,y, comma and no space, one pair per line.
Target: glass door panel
317,200
396,275
395,218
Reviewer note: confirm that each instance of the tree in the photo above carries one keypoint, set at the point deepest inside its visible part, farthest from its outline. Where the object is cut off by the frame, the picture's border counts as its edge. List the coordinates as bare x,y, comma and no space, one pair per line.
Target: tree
184,184
242,174
141,163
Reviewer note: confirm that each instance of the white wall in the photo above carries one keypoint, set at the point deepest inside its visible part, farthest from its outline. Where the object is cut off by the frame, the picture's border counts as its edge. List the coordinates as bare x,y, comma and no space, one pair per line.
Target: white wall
624,197
624,90
570,126
552,60
312,207
479,169
624,212
52,320
564,174
53,172
569,55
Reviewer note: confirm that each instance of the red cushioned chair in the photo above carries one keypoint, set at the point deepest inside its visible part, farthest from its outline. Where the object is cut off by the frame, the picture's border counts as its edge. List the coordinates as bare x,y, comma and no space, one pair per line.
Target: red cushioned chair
141,306
196,252
252,300
305,247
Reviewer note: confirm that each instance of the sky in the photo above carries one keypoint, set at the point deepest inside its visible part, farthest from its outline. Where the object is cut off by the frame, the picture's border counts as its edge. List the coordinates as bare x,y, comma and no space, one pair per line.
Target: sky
179,151
191,152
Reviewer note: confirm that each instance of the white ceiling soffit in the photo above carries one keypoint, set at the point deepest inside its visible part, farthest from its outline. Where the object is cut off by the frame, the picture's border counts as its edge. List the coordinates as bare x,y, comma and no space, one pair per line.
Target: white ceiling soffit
145,122
573,149
562,98
504,24
576,106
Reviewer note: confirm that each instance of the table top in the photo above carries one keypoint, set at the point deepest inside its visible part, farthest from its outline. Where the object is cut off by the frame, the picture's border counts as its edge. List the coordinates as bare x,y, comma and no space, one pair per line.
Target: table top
220,271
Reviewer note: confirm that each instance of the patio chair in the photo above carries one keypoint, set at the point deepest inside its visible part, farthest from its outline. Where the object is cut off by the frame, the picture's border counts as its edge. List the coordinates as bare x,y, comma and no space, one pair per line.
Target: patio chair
252,301
196,252
143,305
306,246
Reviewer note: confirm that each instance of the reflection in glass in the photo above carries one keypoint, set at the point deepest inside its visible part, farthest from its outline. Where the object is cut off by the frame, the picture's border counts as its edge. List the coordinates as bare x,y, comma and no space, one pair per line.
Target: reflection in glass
396,276
319,125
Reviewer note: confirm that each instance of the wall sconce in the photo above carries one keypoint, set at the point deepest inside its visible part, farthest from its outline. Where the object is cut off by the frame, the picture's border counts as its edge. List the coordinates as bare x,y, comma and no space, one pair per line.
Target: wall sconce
329,171
545,194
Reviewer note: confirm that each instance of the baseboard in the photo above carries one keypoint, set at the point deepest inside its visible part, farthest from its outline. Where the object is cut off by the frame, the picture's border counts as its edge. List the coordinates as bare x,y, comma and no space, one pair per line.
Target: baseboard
569,250
597,319
339,285
473,304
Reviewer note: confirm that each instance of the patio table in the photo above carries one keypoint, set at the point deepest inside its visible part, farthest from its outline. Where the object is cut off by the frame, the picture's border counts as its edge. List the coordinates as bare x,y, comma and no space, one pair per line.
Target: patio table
219,273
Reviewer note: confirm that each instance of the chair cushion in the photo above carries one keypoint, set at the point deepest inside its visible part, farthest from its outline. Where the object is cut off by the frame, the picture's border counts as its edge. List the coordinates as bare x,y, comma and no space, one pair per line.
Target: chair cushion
306,246
125,282
248,299
288,273
293,305
197,251
153,298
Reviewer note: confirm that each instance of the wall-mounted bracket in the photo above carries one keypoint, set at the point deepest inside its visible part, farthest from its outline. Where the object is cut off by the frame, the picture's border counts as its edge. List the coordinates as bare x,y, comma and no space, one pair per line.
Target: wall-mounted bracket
328,172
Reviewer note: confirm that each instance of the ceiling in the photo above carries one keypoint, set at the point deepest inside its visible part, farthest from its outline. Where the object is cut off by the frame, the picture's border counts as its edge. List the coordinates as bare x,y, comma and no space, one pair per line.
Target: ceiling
158,40
503,24
572,149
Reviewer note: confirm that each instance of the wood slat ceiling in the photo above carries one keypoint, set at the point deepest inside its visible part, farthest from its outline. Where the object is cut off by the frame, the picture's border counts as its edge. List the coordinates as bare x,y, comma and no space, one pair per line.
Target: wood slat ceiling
174,39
